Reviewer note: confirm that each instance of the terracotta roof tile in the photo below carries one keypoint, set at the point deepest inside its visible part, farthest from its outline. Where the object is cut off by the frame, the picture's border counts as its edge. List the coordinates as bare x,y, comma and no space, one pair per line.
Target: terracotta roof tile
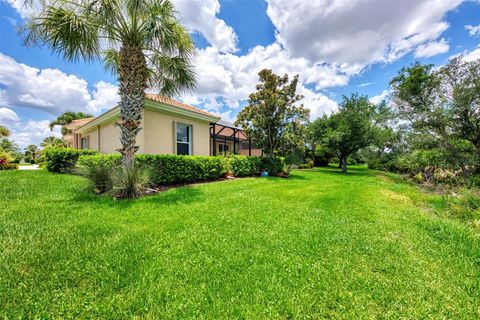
178,104
78,123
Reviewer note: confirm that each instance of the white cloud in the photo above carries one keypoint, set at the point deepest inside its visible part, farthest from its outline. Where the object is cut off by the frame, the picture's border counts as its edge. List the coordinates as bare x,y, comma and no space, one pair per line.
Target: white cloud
50,90
8,115
232,78
366,84
472,55
432,48
473,31
200,16
32,132
357,32
105,96
378,98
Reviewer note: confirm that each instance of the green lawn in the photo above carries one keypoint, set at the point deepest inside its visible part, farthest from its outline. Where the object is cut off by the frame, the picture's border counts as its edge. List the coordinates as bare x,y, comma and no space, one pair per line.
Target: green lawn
316,245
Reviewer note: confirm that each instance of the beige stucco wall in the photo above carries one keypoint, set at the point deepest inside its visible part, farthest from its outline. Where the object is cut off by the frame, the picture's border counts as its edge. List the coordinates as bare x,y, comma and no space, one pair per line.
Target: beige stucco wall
160,135
157,136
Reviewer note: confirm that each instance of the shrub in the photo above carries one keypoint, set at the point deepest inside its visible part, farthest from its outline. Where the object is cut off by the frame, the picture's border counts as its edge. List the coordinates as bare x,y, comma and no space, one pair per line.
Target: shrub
5,158
243,166
9,166
99,169
273,165
307,165
130,183
173,169
164,169
63,160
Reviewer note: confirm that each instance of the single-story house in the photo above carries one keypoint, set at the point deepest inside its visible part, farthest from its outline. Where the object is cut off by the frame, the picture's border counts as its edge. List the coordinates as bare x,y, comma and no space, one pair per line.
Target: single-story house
168,127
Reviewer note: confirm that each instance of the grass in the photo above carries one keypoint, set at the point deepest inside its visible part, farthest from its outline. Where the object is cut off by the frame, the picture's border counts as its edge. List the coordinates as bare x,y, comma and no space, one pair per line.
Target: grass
316,245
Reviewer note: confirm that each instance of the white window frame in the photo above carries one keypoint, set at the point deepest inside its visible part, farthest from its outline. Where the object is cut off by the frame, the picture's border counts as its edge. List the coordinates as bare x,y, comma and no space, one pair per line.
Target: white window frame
84,143
189,143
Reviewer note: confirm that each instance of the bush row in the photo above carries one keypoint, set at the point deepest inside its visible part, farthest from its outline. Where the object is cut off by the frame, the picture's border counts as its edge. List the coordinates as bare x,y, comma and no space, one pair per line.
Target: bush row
61,160
8,166
173,169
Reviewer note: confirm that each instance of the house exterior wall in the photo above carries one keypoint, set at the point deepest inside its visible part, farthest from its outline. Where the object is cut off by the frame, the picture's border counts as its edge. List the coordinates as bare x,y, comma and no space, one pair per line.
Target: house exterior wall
160,133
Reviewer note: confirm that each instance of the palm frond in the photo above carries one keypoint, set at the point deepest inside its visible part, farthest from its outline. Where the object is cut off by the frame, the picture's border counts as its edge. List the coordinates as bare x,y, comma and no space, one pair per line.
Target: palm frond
170,75
67,32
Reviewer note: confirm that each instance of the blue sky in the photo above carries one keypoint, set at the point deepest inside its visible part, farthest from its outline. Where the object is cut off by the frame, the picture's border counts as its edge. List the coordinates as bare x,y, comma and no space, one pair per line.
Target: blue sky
337,47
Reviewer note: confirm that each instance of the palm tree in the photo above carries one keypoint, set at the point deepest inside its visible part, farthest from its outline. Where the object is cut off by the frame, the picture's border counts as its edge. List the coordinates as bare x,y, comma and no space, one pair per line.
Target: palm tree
4,132
141,41
31,151
66,118
52,142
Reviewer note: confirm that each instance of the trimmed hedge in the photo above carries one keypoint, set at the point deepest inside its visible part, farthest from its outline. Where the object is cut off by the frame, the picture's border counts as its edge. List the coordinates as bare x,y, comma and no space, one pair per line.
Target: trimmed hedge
8,166
272,165
166,169
243,166
173,169
63,160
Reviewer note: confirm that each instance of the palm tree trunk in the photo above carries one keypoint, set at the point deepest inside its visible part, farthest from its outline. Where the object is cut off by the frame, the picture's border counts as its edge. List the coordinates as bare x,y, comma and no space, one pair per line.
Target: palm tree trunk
133,82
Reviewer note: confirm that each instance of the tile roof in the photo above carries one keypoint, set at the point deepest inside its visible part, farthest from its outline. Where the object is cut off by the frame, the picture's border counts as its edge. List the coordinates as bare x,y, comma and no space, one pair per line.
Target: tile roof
78,123
177,104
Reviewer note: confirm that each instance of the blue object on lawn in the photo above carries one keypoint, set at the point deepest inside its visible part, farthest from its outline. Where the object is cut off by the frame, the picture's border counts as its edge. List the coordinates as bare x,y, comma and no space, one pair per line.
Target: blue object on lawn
264,174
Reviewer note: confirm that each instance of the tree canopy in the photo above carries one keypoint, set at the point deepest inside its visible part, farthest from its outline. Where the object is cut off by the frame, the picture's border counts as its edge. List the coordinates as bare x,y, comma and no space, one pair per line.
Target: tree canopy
272,118
4,132
140,41
442,107
67,118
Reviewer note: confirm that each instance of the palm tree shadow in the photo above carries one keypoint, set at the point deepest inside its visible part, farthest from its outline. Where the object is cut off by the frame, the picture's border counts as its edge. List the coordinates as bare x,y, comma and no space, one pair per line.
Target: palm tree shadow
183,195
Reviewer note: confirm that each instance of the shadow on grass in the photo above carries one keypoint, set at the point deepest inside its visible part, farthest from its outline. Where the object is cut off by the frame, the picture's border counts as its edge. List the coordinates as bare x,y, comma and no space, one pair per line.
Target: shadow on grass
351,171
184,195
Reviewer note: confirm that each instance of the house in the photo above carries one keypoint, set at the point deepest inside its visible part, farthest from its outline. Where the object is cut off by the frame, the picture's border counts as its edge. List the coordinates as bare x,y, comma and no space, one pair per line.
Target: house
168,127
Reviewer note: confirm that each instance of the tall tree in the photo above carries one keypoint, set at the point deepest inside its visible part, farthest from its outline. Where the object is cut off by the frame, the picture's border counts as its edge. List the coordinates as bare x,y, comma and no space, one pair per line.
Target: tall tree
443,104
4,132
67,118
350,129
31,152
316,131
141,41
52,142
271,117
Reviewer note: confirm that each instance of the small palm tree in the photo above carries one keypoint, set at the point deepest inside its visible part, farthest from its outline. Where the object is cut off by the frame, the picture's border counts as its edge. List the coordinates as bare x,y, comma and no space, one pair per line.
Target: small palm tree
52,142
67,118
4,132
141,41
32,151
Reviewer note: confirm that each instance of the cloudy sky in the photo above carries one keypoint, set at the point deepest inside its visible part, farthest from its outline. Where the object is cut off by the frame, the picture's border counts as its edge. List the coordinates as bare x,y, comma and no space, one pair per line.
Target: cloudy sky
336,46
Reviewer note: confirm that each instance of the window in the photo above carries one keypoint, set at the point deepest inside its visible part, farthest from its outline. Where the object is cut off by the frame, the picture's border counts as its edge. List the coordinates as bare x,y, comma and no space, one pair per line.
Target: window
84,143
223,147
184,139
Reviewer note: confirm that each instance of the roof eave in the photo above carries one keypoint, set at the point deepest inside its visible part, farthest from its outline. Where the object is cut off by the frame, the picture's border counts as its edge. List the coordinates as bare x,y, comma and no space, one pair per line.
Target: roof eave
114,113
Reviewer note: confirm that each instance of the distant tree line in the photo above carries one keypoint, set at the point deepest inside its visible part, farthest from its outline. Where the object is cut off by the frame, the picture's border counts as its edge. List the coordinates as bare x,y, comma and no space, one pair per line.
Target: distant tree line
429,126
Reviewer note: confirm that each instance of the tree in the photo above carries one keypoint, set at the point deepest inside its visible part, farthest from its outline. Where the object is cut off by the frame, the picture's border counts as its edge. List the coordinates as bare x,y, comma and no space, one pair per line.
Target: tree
316,131
350,129
141,41
52,142
31,152
444,105
11,148
271,117
67,118
4,132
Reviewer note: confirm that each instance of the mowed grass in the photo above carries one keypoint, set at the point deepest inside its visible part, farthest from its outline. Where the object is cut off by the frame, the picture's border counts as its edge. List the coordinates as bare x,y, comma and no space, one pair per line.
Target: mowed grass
316,245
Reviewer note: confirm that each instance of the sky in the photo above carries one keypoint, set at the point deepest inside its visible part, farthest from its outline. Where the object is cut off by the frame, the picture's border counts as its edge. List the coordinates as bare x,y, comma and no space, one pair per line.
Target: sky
337,47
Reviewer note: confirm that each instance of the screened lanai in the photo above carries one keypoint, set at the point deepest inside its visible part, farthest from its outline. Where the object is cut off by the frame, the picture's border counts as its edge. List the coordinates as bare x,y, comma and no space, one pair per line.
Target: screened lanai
227,138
